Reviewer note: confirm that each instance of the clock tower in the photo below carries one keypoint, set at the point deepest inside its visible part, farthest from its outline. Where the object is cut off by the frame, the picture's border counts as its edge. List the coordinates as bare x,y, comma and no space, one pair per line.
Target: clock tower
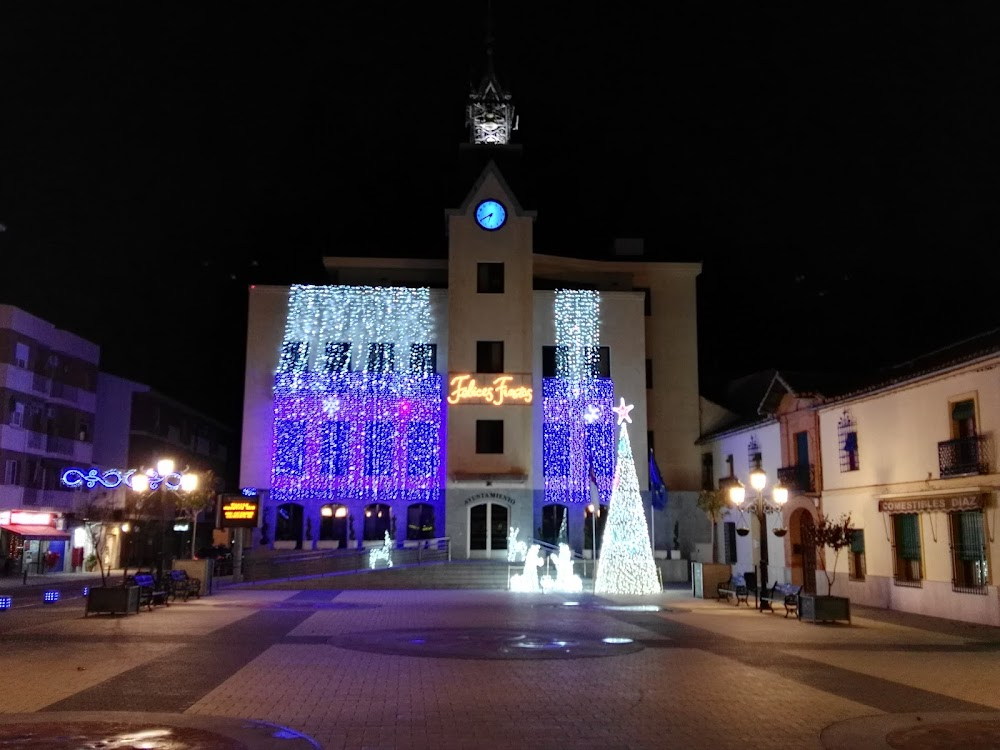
489,113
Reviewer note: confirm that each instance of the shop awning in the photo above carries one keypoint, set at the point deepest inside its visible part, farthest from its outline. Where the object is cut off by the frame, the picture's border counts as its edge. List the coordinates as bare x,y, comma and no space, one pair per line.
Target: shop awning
36,532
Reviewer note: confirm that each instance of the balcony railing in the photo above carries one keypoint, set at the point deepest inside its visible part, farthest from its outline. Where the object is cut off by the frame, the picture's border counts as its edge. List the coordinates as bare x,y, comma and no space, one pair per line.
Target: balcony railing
799,478
965,455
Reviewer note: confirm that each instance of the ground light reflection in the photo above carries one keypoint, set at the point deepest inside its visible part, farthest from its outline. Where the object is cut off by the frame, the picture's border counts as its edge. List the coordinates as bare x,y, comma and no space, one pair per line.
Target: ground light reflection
486,643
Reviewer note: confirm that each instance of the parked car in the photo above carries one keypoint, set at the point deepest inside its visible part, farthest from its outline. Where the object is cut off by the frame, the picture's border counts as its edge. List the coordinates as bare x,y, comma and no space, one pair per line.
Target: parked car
223,557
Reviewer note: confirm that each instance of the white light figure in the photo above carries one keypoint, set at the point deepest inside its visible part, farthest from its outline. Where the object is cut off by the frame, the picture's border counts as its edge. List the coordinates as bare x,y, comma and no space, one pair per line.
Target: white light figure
515,546
565,582
527,582
626,565
384,553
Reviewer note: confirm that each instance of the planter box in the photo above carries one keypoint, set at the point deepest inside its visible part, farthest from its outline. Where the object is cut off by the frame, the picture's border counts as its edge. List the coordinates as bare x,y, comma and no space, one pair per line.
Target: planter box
824,608
113,600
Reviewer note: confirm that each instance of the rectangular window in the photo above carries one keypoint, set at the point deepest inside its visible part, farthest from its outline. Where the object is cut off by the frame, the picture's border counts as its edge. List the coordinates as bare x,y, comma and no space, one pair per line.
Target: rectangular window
603,362
551,357
380,357
856,556
555,450
906,549
489,356
489,436
707,472
289,448
649,374
379,446
489,278
17,414
970,568
334,448
338,357
294,356
21,352
729,540
423,359
421,441
646,303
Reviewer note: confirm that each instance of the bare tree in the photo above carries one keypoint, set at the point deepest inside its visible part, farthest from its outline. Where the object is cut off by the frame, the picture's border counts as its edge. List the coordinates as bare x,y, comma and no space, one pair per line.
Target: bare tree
714,504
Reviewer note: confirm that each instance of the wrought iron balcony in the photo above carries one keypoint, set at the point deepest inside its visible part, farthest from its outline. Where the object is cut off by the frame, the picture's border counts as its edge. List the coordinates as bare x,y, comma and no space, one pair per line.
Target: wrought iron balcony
799,478
966,455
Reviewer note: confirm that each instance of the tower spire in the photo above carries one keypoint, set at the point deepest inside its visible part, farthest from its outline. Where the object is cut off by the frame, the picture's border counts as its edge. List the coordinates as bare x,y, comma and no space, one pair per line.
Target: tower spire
489,113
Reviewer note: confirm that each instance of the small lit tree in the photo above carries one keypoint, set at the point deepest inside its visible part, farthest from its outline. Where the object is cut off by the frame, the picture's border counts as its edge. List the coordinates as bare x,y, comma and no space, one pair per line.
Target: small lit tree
713,503
97,516
835,536
191,503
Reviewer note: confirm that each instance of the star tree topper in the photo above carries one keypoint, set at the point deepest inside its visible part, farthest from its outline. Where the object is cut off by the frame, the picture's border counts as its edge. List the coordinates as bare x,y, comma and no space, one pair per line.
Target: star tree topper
622,412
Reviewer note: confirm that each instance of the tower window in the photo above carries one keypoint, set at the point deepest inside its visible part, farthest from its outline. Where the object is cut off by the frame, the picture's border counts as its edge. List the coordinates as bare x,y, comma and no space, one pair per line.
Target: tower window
489,356
489,278
489,436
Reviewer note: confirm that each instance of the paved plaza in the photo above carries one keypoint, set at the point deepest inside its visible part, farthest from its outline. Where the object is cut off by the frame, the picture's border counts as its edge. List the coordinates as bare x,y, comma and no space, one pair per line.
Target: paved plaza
304,667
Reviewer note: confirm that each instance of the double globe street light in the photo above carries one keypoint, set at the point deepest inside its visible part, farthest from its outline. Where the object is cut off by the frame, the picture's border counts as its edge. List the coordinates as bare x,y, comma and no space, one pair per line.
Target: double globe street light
761,506
167,477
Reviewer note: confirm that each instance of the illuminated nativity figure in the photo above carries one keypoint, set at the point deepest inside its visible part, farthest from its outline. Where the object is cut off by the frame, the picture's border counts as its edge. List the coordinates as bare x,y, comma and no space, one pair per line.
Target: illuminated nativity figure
383,553
565,582
528,580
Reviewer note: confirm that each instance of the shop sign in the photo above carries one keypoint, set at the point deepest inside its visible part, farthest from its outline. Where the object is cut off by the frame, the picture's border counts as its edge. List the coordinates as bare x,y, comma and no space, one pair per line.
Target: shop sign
931,504
504,389
239,511
25,518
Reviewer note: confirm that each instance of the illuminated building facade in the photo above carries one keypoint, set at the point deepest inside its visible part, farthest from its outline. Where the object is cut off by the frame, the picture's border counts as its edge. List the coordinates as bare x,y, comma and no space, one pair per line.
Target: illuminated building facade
467,395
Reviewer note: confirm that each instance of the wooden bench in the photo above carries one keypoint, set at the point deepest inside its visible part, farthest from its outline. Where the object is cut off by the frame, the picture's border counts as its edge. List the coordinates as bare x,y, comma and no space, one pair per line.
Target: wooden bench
150,594
786,594
182,585
734,587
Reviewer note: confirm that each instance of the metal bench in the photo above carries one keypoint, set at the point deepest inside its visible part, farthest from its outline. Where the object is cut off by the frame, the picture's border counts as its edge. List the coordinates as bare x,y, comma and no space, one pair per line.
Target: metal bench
784,593
150,594
182,585
736,587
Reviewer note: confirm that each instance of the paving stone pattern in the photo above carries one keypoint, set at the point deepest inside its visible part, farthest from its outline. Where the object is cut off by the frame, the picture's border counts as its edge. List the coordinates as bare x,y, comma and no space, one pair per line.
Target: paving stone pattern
444,669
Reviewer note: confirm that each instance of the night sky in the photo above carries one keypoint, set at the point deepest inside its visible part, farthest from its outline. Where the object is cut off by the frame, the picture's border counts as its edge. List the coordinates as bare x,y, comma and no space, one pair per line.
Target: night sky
834,170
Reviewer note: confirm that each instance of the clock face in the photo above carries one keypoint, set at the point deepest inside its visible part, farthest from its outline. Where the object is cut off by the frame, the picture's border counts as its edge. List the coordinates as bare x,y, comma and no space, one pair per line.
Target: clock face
491,214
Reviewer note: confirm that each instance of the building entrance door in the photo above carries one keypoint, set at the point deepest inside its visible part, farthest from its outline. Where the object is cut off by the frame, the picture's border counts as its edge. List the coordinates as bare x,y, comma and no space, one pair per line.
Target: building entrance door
488,523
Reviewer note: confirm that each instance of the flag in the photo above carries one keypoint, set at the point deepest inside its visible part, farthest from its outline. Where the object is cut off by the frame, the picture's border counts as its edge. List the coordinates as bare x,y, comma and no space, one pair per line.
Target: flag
657,489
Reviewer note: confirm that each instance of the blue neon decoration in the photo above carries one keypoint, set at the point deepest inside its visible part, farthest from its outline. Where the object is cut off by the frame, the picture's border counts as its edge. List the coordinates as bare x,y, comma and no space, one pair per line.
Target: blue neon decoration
578,439
110,478
383,443
249,492
5,602
114,477
86,590
50,596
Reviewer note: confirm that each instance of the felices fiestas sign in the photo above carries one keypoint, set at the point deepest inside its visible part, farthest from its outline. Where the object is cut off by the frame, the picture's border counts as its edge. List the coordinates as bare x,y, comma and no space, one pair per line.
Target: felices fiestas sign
240,511
503,390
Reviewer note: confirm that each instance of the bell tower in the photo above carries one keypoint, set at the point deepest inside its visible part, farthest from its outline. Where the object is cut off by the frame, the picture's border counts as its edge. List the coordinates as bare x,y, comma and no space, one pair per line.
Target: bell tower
489,114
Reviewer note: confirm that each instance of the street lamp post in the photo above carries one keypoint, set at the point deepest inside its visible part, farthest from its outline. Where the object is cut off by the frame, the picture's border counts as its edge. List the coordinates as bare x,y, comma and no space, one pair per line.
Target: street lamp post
760,506
163,476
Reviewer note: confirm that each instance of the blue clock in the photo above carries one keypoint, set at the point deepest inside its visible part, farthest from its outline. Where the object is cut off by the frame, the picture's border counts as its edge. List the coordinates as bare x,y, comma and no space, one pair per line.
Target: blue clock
491,215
